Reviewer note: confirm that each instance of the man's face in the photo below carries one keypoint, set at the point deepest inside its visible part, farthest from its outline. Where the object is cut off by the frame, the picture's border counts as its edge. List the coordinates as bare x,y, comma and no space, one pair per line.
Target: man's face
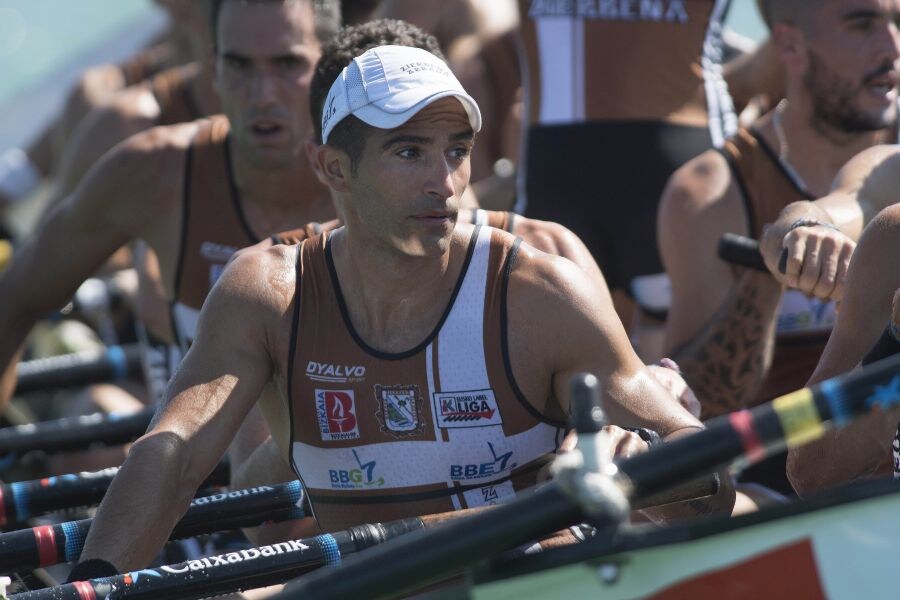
852,65
264,65
408,183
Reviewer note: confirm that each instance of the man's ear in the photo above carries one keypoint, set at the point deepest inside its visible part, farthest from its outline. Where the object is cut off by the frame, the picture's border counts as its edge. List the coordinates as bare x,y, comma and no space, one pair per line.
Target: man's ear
311,148
332,166
790,44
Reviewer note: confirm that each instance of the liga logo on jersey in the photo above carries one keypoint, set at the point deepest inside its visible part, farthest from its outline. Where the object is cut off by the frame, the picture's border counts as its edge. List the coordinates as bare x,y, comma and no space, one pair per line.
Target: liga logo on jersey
336,415
400,408
476,408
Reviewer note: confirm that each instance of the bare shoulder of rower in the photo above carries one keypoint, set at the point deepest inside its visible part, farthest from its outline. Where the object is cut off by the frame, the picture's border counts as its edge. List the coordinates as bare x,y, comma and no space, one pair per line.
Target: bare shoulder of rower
584,333
701,202
260,284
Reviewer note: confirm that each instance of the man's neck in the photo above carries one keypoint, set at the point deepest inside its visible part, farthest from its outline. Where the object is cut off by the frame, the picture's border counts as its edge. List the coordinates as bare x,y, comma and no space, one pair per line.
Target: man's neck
394,300
814,153
275,200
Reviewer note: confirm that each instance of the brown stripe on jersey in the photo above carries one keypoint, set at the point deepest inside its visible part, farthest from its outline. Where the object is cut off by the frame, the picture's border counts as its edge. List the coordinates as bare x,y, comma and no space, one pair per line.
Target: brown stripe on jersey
634,69
172,90
213,227
295,236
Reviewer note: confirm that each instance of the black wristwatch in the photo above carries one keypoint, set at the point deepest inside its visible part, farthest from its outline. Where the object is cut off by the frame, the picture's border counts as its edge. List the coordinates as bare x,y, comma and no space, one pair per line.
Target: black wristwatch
648,435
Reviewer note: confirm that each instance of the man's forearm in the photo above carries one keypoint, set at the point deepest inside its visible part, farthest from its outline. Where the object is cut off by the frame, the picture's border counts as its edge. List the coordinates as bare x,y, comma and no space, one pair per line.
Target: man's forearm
727,362
145,501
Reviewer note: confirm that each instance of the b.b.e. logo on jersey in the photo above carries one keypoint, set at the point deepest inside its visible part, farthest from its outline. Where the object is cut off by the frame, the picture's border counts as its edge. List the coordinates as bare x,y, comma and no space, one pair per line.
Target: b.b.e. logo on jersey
336,415
477,408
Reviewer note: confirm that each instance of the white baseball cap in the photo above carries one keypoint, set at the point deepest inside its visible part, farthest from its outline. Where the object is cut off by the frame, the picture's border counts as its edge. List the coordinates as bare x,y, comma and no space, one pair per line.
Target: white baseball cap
386,86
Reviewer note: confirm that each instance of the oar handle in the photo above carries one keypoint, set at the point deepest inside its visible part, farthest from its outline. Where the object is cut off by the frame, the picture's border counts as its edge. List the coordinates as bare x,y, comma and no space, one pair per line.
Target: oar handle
740,250
23,500
78,368
75,433
48,545
233,571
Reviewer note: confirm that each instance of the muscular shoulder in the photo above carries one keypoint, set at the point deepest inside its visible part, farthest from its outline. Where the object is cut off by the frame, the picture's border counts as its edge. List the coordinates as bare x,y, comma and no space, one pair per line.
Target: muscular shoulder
261,277
697,187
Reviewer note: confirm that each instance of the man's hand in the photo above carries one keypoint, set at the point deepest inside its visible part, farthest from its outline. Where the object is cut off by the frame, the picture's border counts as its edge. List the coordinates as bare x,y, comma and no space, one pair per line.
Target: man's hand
817,256
668,374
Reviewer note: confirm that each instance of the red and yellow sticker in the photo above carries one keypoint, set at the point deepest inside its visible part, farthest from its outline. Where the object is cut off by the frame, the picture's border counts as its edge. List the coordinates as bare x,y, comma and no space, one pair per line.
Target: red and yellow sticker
799,417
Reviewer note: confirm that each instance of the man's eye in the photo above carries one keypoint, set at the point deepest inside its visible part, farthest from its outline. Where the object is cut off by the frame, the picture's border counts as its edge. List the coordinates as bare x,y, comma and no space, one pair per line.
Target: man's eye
408,153
233,62
461,152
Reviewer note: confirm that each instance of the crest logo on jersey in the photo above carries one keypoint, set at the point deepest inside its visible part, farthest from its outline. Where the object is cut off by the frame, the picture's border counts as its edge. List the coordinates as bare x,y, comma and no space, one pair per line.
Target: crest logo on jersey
476,408
336,415
400,409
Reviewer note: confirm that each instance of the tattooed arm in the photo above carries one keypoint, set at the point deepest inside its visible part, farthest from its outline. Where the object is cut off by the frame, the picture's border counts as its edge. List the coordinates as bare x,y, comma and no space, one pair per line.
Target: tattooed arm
721,321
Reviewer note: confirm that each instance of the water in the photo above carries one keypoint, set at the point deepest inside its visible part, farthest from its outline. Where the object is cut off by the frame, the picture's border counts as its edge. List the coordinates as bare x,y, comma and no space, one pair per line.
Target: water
39,36
744,18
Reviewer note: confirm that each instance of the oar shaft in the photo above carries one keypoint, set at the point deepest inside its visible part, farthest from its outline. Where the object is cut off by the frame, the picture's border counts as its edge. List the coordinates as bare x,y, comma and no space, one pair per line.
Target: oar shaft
75,433
80,368
52,544
23,500
242,569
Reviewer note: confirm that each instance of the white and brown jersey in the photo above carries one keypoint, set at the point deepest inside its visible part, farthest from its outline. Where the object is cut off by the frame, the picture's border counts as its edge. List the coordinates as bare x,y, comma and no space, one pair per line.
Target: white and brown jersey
213,226
443,426
624,60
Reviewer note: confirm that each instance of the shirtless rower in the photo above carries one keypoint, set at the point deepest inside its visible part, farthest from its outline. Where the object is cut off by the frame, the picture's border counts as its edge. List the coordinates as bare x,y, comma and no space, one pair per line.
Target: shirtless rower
738,336
870,305
442,381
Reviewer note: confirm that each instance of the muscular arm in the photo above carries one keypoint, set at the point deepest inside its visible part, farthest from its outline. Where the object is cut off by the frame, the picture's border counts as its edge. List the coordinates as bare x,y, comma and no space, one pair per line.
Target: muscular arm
217,384
867,184
587,336
754,73
110,208
721,322
131,111
862,448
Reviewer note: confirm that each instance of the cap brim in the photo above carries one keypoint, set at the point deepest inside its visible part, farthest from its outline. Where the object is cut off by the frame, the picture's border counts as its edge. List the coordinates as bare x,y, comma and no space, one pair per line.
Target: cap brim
378,117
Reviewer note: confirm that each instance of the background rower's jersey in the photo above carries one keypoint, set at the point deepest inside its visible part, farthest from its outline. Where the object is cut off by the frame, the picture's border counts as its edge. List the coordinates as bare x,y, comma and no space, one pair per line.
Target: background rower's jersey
658,60
213,225
804,324
443,426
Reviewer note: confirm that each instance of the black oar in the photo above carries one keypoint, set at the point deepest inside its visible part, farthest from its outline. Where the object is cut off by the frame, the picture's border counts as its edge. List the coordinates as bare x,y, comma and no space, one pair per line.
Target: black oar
748,435
79,368
51,544
238,570
75,433
744,251
23,500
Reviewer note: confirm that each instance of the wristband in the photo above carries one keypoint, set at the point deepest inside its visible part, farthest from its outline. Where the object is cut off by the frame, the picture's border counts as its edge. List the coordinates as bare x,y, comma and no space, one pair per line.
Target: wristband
812,223
18,175
93,568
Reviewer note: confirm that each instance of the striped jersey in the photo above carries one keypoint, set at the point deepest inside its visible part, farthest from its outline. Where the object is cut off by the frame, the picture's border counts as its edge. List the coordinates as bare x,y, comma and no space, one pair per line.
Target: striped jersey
626,60
440,427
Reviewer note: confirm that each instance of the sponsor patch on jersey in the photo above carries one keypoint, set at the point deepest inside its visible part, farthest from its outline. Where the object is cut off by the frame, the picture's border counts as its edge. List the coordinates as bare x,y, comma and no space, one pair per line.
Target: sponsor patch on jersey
490,495
336,415
400,409
332,373
499,464
366,476
476,408
658,11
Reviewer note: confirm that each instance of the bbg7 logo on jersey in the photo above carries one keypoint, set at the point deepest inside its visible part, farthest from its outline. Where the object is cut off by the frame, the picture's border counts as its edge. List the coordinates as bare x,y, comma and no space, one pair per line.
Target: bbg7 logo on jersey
500,464
477,408
336,415
356,479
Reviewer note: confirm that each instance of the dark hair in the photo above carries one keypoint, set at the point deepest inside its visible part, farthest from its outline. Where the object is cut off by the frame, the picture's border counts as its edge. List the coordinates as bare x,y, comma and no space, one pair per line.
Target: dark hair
350,134
327,16
795,12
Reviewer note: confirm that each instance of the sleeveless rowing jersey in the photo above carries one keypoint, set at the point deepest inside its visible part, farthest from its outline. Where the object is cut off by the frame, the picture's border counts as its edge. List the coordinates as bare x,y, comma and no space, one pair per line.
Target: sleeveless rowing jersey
443,426
626,60
172,90
804,324
213,225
